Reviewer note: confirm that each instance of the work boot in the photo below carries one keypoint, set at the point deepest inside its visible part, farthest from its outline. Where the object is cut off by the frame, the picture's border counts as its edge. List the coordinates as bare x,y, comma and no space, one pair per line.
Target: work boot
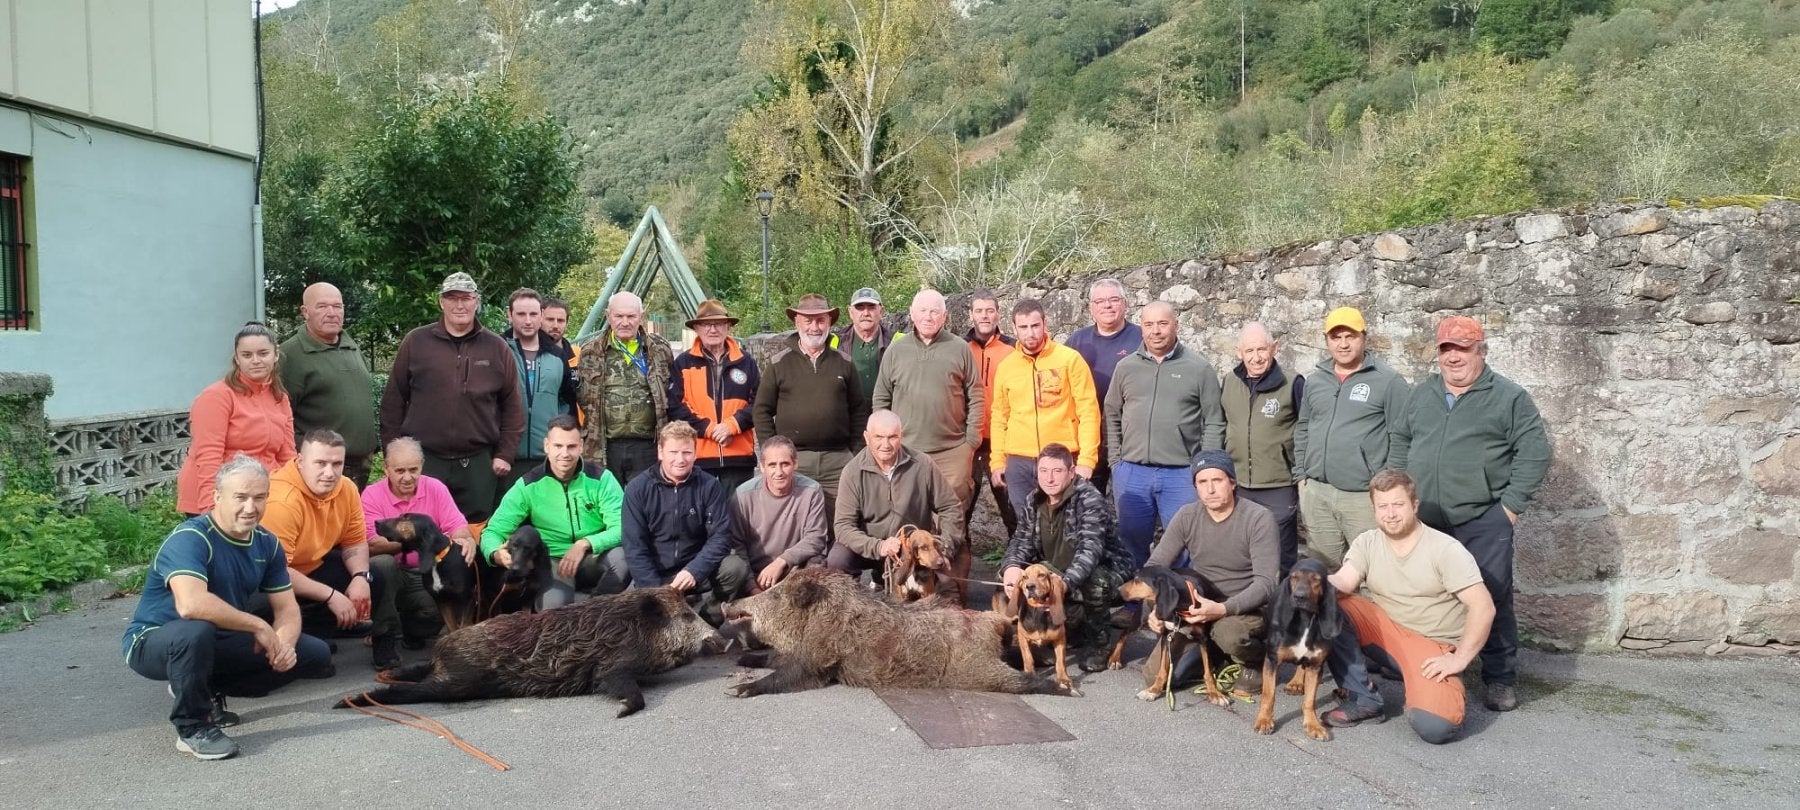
385,655
1500,697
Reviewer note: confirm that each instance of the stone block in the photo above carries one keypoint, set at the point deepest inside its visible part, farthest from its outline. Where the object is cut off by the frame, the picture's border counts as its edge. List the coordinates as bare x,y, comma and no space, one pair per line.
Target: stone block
1539,228
1682,468
1565,621
1754,556
1774,620
1779,473
1455,297
1671,617
1180,296
1747,411
1294,283
1658,282
1348,277
1630,223
1710,312
1312,256
1393,247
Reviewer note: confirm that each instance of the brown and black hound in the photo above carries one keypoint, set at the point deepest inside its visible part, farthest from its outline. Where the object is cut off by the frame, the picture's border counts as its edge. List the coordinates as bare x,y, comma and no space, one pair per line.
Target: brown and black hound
1038,619
447,577
912,574
1302,621
1163,594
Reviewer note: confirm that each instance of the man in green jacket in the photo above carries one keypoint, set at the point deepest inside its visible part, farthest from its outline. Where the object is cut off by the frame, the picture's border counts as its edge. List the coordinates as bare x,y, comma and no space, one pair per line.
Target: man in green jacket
1344,435
327,381
575,507
1474,442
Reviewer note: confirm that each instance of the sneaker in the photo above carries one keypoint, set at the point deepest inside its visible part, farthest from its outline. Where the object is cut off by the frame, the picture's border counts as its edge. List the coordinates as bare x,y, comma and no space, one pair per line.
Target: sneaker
220,717
1346,715
205,742
1500,697
1248,684
385,657
1094,661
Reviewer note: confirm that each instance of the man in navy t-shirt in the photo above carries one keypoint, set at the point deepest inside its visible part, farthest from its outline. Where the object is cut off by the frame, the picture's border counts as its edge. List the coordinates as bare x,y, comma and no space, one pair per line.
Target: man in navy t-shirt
200,624
1103,345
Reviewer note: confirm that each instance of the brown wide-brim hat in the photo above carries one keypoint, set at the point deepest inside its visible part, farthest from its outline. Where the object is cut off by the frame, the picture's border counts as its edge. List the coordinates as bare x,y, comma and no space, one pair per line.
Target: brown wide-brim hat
813,304
711,309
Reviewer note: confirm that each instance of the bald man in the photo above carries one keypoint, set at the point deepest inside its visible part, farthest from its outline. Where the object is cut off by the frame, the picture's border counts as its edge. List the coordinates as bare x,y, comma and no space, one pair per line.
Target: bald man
327,380
1162,410
1261,403
623,382
929,379
886,486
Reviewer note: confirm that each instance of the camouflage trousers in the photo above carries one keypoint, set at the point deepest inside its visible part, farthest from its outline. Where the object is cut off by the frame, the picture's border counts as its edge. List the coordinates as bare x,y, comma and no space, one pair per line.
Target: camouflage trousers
1087,610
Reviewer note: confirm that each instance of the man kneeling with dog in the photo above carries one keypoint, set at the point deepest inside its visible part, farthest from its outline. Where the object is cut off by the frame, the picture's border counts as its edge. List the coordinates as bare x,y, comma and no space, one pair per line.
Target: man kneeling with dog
885,487
405,488
1235,548
1427,614
574,508
1070,526
218,614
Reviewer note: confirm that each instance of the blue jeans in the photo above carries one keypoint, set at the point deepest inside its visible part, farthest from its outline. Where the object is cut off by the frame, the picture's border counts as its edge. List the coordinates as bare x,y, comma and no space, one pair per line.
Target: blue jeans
1144,494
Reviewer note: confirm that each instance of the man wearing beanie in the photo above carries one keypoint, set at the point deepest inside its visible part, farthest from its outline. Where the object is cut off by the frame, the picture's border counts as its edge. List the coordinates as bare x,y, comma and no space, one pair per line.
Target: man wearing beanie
1233,544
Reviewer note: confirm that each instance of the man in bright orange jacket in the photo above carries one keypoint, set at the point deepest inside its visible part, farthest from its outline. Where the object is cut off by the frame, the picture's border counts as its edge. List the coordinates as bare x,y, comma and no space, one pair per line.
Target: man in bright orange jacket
1043,394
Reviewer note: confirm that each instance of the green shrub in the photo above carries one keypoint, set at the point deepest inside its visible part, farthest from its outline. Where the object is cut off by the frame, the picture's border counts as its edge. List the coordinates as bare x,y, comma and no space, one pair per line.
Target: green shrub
42,547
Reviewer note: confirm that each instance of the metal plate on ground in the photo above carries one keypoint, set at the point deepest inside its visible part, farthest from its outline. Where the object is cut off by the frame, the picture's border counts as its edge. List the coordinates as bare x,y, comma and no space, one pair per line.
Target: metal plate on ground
945,718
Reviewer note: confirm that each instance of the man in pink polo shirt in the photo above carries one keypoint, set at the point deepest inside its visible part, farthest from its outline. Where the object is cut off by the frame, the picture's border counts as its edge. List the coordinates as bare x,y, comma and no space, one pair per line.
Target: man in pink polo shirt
402,490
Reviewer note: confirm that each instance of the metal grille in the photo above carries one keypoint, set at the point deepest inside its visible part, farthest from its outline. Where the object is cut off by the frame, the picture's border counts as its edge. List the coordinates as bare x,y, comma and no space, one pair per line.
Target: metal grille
15,300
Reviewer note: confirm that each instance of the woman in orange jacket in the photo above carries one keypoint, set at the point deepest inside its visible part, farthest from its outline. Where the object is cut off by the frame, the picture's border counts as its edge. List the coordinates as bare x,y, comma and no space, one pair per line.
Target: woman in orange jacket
245,412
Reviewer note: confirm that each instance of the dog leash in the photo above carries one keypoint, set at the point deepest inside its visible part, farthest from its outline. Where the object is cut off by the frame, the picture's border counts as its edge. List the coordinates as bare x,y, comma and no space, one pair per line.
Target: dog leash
424,724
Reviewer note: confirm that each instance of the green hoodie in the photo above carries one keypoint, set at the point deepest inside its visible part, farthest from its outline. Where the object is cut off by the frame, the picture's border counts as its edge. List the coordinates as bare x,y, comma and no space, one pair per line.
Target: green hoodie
1346,430
589,507
1491,447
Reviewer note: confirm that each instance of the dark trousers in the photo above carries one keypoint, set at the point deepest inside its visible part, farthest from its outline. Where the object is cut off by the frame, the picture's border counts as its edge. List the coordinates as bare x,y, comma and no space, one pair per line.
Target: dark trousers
732,476
1284,504
356,468
198,659
598,574
520,467
1102,479
470,480
1021,481
316,618
628,457
1489,538
981,476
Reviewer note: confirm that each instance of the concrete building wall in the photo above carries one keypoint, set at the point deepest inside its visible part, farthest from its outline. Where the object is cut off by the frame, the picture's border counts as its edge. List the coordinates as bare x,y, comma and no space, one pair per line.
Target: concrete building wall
142,264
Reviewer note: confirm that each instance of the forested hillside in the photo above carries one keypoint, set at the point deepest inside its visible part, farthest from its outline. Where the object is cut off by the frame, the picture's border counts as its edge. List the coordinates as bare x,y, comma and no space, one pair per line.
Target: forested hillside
975,142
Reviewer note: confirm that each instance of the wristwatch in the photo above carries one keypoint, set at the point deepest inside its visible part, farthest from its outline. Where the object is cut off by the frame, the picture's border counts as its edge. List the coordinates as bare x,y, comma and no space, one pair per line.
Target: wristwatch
367,576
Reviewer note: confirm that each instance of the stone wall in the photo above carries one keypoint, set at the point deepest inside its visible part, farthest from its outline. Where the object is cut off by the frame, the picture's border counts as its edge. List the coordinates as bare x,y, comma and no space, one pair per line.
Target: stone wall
1662,347
24,433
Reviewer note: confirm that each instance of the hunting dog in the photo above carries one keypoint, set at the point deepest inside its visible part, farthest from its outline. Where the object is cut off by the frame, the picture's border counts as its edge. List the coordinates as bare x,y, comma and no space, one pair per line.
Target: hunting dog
1038,619
1163,594
528,575
601,646
912,574
447,577
1302,621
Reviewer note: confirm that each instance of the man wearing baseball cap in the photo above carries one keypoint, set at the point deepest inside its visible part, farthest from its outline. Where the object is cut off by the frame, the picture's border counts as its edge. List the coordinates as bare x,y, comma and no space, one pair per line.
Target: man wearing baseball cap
454,388
1475,444
866,339
1345,433
1235,546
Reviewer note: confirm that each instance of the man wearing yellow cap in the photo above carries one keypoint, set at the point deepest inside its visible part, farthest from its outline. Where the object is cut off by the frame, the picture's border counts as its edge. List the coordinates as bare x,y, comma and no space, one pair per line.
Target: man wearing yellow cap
1474,442
1345,434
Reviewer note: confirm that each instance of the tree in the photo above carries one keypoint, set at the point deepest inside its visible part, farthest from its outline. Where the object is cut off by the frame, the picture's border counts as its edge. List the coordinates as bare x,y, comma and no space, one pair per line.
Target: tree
839,130
455,182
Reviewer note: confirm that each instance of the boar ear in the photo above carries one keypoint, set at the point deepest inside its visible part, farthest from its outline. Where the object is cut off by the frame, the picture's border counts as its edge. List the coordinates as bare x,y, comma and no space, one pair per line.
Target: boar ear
808,592
652,608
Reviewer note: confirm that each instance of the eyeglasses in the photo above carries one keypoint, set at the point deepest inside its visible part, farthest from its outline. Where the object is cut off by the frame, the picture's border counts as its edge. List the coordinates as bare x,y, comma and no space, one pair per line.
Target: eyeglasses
1113,300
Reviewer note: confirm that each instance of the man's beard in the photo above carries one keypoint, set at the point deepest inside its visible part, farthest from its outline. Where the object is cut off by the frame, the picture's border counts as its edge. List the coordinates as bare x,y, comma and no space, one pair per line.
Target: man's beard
811,343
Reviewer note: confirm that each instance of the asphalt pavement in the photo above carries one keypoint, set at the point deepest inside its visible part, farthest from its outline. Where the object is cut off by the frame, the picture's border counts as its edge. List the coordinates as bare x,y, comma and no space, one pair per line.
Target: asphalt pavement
80,729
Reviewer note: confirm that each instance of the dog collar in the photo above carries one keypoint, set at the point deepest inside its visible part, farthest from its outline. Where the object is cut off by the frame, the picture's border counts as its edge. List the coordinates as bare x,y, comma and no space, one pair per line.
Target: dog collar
442,553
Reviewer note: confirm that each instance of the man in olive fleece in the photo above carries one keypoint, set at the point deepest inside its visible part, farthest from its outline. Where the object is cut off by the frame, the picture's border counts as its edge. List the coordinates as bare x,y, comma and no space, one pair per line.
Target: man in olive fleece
327,380
455,389
1232,543
888,486
1261,404
1160,392
812,395
1344,435
1474,442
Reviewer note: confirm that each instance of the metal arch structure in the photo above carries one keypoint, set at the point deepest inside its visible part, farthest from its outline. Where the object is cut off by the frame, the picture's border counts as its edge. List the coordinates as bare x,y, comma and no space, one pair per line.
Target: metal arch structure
651,251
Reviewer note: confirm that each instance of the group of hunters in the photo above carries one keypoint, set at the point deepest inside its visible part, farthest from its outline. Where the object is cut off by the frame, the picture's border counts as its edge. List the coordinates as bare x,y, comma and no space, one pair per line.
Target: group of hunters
640,463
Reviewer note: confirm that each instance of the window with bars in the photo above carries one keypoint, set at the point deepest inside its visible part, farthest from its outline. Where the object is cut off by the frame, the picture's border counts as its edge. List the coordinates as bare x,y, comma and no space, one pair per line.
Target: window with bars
15,299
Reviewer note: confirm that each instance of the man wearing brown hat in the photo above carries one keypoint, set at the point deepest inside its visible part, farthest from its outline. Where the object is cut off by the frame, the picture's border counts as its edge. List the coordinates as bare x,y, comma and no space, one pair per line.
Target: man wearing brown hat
812,395
712,386
455,389
1475,444
623,380
1344,434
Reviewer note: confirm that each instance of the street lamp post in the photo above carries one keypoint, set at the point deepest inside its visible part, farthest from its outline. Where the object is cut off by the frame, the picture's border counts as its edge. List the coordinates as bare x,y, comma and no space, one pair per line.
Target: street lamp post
765,205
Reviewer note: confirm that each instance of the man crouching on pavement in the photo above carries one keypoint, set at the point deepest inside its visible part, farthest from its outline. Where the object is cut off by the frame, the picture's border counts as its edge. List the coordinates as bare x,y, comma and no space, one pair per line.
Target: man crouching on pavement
200,623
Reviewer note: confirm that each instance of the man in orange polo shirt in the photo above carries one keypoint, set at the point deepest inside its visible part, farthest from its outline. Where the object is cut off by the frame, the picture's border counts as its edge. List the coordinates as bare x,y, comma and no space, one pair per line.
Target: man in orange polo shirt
317,515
